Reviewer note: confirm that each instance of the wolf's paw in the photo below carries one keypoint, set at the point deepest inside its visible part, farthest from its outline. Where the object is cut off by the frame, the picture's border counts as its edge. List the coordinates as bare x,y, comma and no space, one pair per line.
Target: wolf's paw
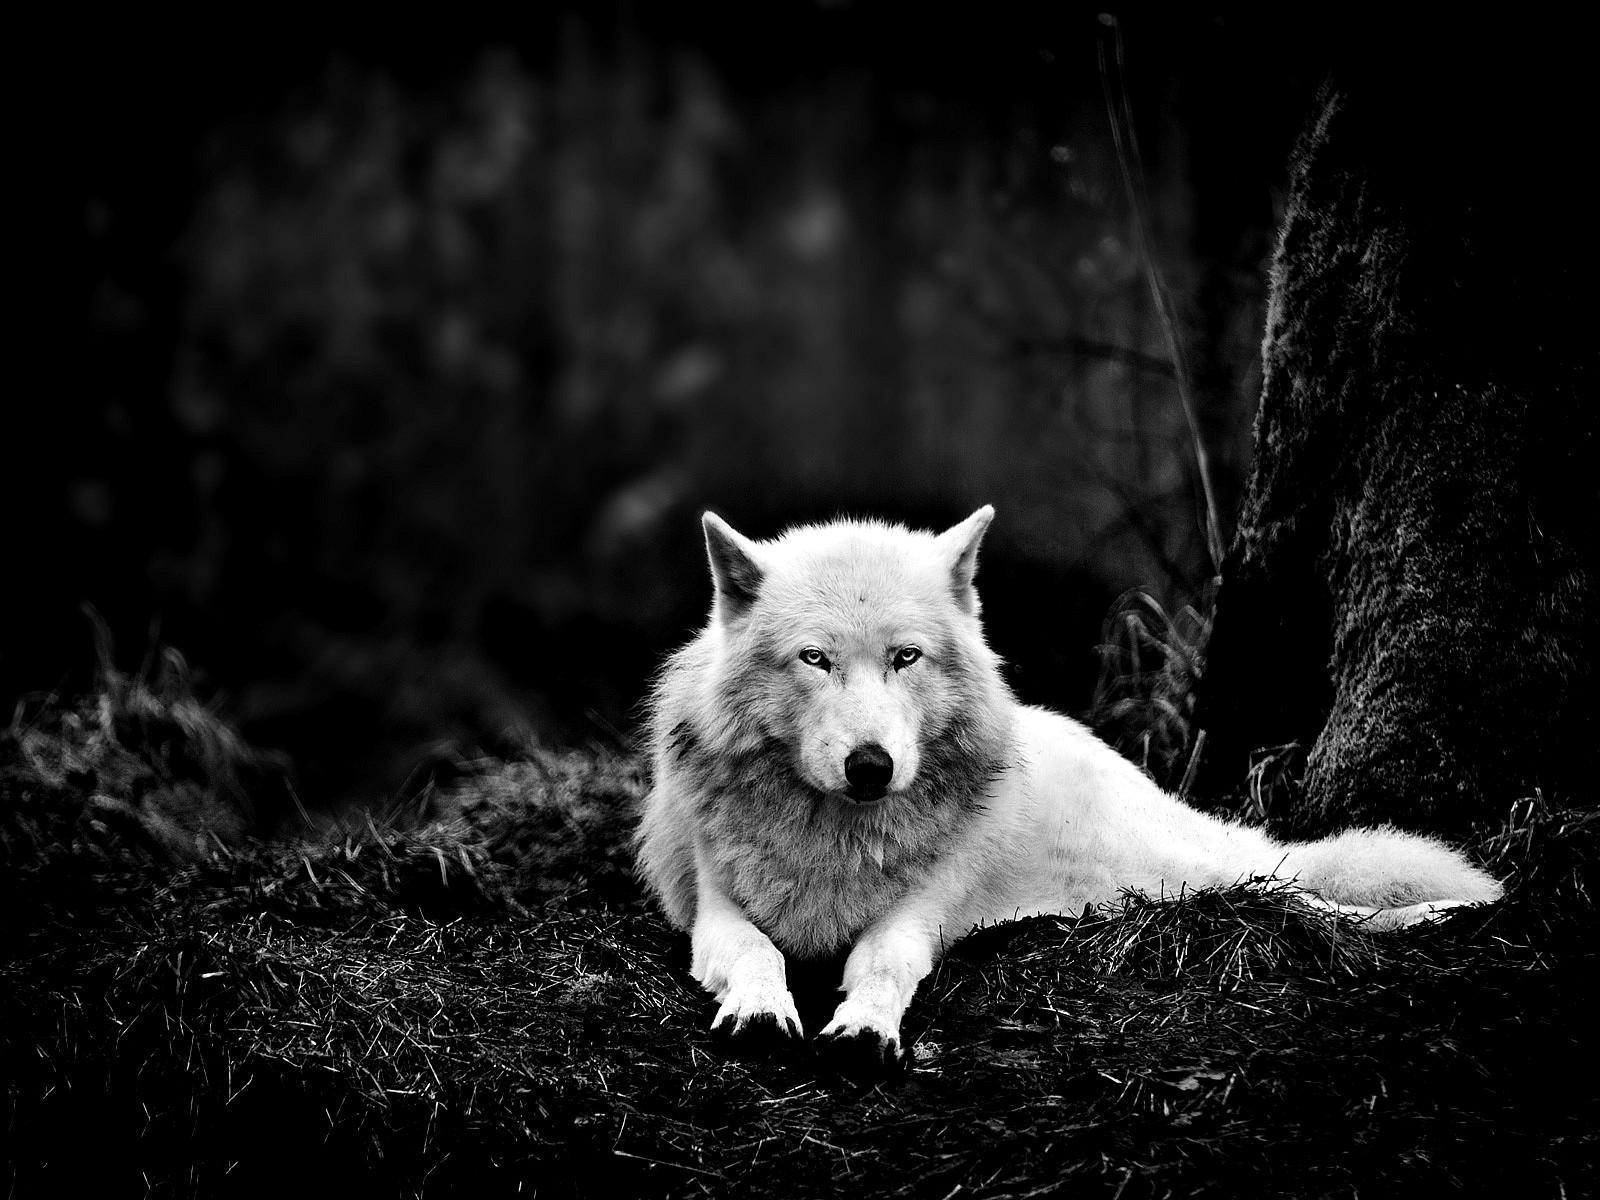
862,1046
757,1019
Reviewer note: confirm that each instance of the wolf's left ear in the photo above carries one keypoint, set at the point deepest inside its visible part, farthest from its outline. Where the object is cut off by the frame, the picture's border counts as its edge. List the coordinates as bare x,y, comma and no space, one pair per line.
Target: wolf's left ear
735,570
959,545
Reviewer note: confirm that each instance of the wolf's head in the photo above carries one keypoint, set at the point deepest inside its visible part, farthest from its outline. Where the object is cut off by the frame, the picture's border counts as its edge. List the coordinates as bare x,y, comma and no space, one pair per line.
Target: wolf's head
857,646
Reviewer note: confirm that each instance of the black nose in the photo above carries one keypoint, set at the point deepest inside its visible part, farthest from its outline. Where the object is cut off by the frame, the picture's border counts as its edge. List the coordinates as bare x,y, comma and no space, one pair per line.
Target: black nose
868,770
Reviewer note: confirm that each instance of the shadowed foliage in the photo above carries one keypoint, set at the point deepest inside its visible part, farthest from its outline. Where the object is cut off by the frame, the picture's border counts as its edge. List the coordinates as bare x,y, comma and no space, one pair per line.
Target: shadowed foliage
403,366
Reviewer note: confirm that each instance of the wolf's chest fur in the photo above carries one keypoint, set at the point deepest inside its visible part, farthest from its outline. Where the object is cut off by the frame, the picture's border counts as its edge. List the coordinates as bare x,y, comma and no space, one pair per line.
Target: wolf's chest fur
813,877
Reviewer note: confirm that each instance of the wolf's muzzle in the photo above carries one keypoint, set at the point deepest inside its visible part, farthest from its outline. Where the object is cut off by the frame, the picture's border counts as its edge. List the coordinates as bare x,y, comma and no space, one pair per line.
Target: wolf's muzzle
868,769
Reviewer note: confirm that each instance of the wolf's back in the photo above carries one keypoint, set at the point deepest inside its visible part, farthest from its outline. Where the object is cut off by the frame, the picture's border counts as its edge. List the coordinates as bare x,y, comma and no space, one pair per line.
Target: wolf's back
1386,868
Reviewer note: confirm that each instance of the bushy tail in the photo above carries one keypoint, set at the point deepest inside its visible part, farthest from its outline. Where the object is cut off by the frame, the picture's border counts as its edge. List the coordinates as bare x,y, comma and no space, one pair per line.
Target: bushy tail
1385,868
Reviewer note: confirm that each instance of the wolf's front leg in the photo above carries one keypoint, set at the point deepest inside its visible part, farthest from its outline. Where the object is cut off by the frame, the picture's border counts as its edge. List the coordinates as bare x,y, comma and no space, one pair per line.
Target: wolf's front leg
740,966
880,976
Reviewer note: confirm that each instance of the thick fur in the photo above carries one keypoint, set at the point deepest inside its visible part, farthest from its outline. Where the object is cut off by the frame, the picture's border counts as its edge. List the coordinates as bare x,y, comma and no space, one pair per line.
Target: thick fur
836,637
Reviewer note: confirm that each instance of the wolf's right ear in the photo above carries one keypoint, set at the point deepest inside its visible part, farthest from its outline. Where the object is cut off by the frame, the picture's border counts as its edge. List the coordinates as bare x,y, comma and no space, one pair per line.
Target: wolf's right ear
960,546
735,566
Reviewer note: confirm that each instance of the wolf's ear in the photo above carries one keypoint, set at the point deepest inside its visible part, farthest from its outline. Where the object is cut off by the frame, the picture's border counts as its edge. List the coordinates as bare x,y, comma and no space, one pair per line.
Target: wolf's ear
959,545
735,568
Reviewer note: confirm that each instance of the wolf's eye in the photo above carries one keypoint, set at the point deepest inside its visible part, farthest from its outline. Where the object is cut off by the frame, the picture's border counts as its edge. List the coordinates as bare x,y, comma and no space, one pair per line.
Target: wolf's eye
813,657
905,656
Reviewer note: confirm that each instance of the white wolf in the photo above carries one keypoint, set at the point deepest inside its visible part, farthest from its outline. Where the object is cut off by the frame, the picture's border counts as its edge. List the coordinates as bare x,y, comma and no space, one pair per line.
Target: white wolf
838,764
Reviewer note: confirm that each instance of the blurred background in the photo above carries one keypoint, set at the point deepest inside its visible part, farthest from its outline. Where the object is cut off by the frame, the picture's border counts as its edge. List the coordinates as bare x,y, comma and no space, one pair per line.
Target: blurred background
390,369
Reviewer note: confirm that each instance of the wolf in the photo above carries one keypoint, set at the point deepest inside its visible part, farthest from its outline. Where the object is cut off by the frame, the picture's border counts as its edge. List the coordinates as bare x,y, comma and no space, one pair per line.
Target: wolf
839,766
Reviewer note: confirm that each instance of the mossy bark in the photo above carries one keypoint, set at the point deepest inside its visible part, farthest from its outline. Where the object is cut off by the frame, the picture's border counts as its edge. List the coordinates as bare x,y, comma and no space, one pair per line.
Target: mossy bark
1412,592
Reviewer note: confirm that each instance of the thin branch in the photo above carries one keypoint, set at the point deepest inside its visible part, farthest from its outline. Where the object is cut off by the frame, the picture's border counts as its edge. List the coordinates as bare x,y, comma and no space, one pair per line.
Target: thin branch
1092,348
1132,517
1046,343
1120,113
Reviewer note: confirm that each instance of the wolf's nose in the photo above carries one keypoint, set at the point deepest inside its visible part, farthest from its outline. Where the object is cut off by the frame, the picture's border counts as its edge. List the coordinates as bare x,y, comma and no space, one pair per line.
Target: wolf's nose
867,770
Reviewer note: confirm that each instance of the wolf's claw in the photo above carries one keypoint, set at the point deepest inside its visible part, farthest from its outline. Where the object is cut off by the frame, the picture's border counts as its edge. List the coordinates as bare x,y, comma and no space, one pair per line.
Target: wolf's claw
862,1053
755,1029
757,1014
863,1040
747,1029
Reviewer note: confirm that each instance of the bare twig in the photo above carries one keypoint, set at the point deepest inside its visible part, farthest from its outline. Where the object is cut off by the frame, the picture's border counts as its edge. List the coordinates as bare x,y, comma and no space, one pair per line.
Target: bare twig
1128,159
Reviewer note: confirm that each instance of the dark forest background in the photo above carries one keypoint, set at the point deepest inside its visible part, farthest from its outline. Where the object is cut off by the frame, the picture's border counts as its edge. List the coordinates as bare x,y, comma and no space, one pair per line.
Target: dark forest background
388,371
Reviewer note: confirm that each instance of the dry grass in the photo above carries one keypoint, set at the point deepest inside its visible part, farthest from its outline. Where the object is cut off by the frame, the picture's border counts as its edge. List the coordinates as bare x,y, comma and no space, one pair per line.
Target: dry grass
138,771
1150,664
483,1005
562,819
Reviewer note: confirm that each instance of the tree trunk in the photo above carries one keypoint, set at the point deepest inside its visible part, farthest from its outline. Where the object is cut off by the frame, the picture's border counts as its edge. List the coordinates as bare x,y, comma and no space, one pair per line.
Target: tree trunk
1412,592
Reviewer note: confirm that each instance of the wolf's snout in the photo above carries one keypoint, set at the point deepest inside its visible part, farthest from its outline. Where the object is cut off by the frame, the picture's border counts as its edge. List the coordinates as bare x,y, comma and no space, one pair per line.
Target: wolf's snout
868,770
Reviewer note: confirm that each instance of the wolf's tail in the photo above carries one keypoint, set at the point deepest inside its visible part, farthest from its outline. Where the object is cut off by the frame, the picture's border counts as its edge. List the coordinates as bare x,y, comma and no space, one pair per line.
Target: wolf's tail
1385,868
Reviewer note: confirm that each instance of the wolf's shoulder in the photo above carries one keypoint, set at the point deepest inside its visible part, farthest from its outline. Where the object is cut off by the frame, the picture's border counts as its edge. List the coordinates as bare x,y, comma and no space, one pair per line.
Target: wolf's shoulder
1053,747
1045,726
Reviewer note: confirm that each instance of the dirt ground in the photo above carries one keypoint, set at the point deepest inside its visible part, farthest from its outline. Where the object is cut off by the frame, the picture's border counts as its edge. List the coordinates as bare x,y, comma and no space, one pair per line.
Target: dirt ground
484,1005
